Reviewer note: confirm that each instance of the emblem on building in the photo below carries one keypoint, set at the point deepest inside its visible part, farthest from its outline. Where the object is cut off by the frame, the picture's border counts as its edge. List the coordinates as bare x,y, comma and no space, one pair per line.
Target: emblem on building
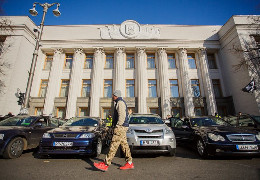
129,29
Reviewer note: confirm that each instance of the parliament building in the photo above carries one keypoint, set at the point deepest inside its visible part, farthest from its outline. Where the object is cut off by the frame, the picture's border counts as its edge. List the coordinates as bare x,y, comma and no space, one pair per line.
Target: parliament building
179,70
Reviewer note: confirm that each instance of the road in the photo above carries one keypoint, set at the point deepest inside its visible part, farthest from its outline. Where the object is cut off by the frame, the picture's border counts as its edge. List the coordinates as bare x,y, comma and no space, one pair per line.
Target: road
185,165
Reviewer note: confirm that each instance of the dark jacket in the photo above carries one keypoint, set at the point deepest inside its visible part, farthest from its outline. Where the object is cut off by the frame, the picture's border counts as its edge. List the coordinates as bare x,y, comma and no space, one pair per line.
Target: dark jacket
115,116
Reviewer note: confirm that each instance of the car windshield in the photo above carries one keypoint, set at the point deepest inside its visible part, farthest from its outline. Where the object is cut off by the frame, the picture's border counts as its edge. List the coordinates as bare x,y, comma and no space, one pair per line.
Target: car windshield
56,122
257,118
231,120
17,121
81,122
207,121
145,120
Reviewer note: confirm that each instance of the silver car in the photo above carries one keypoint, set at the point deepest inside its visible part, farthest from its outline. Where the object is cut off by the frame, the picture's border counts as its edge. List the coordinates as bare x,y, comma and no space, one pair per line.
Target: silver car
147,133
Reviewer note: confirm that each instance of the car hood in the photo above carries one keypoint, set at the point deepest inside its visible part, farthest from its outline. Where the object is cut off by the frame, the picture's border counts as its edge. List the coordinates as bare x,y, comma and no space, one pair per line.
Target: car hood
224,130
9,128
73,129
145,126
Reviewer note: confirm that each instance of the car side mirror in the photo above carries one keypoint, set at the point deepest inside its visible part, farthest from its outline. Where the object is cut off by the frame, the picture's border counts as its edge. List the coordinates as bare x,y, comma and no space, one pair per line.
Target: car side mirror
38,125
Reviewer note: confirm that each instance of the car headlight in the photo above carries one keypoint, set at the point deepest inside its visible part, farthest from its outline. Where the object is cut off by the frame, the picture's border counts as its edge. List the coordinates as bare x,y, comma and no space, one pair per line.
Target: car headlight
46,135
167,131
87,135
2,136
258,136
215,137
130,131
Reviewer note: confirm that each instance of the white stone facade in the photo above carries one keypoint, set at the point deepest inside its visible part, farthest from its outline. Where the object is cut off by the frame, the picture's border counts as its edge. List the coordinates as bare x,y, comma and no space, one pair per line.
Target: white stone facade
157,42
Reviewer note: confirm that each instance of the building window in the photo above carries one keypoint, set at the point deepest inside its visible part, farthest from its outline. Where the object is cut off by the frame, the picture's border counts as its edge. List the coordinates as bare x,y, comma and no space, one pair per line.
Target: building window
61,112
150,61
171,61
109,61
191,60
130,88
176,112
199,111
106,112
38,111
43,88
152,88
154,110
212,61
217,88
64,88
68,61
195,85
83,111
48,62
108,88
88,61
130,61
86,86
222,110
174,88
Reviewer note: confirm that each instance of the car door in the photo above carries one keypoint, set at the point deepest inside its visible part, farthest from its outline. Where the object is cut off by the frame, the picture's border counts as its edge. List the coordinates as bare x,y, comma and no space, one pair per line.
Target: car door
182,131
38,128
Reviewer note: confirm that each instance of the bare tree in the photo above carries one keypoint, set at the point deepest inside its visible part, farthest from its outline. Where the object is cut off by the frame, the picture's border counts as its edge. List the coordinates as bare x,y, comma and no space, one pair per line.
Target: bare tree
5,31
248,51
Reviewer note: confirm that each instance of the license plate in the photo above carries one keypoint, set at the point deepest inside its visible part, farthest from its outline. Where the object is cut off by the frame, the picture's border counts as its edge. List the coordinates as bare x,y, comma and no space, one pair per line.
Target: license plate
63,144
149,143
247,147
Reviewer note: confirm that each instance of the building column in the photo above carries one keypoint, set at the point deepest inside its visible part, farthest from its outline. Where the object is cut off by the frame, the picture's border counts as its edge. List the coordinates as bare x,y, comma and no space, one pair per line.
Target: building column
164,82
142,84
209,91
54,81
96,81
75,82
119,75
186,83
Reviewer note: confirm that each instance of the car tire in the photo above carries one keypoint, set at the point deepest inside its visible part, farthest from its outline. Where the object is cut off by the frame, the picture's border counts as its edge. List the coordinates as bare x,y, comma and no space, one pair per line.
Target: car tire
98,148
201,148
14,149
172,152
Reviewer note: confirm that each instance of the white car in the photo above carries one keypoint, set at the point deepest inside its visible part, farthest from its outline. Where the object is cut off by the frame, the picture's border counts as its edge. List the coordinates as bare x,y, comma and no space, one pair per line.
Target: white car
147,133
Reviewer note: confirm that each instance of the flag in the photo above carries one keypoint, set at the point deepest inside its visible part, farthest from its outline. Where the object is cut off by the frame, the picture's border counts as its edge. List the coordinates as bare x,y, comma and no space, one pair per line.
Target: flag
250,87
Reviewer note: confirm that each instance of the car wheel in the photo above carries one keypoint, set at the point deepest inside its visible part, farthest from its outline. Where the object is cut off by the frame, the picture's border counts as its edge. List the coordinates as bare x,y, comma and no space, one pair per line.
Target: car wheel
171,152
201,149
14,148
98,148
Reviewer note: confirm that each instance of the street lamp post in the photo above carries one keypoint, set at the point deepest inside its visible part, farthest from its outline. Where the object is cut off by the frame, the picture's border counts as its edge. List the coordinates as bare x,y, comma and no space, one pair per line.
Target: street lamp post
33,12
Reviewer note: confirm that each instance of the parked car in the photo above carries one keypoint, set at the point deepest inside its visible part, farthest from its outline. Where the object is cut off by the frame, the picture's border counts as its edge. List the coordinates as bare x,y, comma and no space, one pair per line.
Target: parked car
23,132
212,136
244,121
80,135
147,133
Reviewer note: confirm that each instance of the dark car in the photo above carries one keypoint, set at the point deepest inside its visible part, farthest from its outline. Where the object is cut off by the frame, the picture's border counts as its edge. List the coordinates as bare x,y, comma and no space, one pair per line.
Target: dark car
19,133
81,135
212,136
244,121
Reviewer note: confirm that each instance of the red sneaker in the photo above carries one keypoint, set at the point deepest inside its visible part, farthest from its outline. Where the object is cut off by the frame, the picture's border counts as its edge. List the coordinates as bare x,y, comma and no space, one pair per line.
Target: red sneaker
127,166
101,166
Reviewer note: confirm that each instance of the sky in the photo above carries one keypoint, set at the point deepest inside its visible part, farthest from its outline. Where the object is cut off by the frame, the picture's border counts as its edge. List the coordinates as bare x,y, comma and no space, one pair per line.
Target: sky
178,12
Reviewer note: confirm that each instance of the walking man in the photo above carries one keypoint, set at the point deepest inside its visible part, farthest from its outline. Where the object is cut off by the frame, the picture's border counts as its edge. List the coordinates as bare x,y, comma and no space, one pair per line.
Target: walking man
120,125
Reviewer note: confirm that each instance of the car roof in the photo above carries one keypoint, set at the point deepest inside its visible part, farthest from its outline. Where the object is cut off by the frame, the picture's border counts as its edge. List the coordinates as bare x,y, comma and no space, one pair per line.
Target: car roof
96,118
140,114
